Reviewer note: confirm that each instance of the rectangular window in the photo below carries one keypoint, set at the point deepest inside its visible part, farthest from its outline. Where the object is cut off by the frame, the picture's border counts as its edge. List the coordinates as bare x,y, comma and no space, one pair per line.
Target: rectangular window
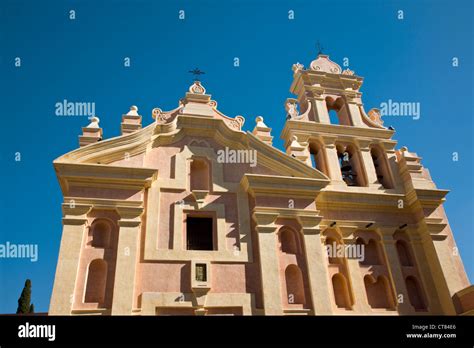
201,272
199,233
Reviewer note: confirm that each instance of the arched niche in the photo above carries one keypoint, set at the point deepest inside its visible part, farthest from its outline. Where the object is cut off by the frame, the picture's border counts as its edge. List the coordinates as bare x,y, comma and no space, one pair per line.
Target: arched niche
415,294
288,241
404,250
96,282
100,233
199,174
294,285
379,294
371,252
331,246
342,297
404,255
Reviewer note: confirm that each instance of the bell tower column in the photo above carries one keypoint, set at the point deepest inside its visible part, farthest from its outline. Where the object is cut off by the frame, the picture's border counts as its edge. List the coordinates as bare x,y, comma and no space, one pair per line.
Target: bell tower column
333,160
368,163
321,113
353,106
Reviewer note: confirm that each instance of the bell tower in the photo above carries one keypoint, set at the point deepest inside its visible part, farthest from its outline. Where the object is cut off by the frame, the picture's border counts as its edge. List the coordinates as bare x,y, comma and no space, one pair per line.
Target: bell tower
376,195
352,148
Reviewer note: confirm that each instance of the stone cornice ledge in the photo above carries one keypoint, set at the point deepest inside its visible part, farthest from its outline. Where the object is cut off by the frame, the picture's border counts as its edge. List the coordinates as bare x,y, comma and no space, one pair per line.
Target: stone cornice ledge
428,198
329,129
301,214
371,200
104,175
257,184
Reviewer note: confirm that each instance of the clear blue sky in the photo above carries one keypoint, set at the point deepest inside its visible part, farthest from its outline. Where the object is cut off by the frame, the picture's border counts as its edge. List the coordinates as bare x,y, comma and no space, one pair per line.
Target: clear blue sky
82,60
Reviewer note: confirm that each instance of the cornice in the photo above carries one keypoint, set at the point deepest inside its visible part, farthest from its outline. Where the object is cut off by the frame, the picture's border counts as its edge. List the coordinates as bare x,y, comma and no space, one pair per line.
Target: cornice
102,203
428,198
287,213
328,81
338,131
129,211
357,200
98,175
258,184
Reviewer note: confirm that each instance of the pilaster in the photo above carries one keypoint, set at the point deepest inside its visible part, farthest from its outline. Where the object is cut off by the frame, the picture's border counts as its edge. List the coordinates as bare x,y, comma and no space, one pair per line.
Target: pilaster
267,244
127,252
395,271
317,269
357,282
435,286
74,226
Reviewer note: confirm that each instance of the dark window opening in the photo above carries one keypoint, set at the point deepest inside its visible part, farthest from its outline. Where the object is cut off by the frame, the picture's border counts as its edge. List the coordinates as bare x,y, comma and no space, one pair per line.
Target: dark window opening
199,234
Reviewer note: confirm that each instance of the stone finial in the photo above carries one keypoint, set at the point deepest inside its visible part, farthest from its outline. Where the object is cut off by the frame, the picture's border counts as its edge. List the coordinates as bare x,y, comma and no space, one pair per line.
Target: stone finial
375,116
259,121
297,150
291,107
94,122
348,72
409,159
131,121
405,153
133,111
197,88
92,133
294,143
297,67
197,102
261,131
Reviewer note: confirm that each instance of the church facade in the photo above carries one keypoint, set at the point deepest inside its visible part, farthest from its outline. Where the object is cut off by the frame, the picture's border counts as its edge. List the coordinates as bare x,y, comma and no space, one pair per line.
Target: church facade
191,215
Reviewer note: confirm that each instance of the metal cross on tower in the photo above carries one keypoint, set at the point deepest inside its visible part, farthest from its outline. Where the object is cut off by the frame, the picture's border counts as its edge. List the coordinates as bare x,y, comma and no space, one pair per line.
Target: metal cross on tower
320,48
196,72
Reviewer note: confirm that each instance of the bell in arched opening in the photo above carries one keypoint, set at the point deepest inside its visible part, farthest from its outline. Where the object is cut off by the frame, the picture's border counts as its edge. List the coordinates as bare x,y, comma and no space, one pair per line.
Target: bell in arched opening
348,175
